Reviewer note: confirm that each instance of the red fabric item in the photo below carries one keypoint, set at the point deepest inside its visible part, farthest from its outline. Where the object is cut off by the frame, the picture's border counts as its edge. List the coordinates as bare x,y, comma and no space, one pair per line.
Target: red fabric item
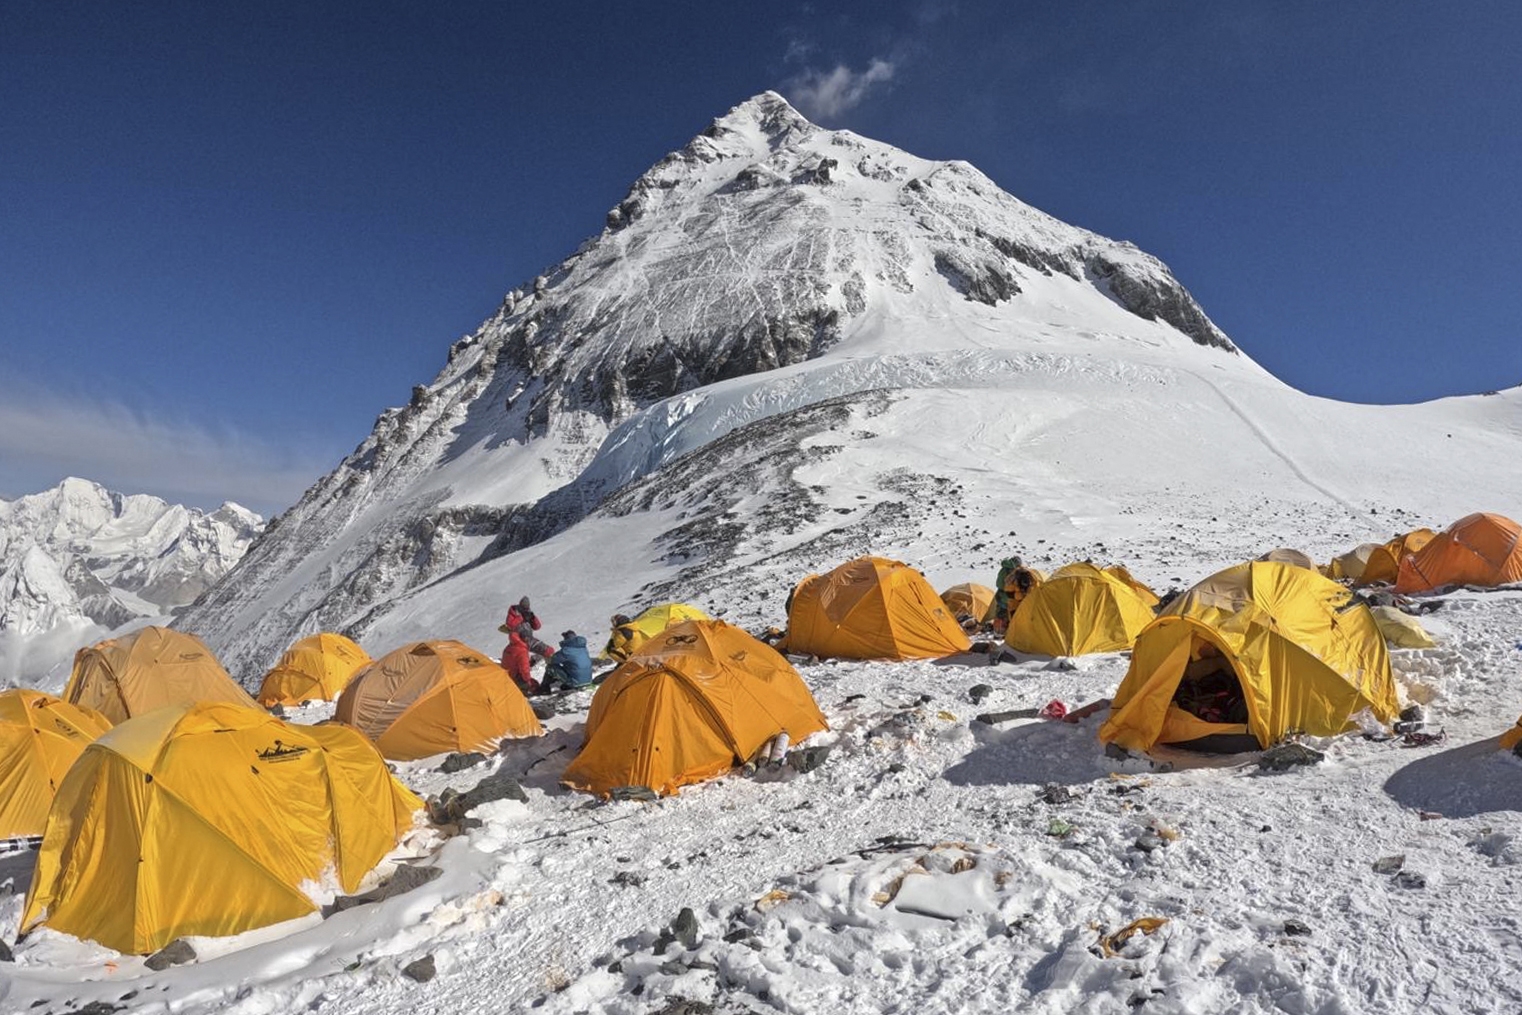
515,661
1053,709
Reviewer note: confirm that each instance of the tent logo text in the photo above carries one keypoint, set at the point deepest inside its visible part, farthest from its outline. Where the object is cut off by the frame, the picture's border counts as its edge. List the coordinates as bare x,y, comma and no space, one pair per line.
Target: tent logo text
280,752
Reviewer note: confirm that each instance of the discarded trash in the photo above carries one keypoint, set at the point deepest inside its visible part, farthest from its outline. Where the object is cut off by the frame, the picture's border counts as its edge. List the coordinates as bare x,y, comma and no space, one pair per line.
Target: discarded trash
1283,757
1410,879
995,718
1053,709
1389,864
1110,944
1061,829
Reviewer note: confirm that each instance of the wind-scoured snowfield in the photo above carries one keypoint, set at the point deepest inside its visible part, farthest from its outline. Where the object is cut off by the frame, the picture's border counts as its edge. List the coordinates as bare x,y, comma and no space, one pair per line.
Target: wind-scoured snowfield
766,366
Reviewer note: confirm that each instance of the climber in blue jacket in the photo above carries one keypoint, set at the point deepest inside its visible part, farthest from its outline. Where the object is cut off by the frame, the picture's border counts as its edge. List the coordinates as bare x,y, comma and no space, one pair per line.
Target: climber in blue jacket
571,666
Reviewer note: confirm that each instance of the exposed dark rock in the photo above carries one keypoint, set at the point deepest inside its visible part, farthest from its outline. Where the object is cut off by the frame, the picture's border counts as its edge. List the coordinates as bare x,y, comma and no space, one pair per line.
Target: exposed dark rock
405,879
685,928
175,953
422,970
1410,879
807,759
1294,928
978,692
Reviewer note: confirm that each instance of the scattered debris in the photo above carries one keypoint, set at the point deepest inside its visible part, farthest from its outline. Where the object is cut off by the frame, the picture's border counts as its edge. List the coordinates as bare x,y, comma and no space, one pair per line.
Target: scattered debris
1389,864
1149,843
1410,879
458,762
1060,828
628,879
995,718
632,793
808,758
1053,709
978,692
1055,794
1295,928
1283,757
1110,944
1423,738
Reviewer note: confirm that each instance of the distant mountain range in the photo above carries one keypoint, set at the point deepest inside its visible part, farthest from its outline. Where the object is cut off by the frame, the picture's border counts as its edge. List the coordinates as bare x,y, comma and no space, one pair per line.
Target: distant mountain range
81,558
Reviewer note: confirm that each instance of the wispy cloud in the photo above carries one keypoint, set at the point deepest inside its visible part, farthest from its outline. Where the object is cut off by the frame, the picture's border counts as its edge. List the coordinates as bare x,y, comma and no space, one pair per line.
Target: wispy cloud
45,436
825,95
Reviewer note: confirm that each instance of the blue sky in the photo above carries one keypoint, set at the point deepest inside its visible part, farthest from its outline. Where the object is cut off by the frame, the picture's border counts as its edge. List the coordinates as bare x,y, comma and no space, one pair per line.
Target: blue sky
233,234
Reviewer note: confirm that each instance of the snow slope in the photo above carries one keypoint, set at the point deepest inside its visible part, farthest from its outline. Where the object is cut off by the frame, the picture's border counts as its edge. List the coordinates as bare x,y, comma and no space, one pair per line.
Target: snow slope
78,560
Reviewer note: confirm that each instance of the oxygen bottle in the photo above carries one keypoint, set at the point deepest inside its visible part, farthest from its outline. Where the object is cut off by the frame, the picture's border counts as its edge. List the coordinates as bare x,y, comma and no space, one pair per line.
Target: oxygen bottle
779,749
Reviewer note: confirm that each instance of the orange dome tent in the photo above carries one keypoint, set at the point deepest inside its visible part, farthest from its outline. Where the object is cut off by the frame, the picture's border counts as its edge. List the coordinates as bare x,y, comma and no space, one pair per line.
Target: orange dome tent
316,668
210,819
1512,738
872,608
691,703
40,737
435,696
1479,549
148,669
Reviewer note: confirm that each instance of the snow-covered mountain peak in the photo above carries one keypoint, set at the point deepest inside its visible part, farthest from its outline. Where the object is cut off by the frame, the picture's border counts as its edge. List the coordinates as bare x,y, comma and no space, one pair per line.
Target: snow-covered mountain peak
768,275
82,558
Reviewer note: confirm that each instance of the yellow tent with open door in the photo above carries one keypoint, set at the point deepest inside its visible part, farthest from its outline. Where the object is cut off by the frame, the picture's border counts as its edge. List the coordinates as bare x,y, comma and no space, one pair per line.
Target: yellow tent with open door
872,608
148,669
209,819
627,638
1279,647
1078,610
693,702
316,668
40,737
430,697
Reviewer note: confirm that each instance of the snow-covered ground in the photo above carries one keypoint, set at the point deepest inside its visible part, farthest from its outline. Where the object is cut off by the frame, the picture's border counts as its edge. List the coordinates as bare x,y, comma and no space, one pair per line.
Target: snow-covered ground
936,864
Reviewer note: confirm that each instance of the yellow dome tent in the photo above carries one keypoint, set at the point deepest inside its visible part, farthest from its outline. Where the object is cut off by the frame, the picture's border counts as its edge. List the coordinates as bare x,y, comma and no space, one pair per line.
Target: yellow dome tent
316,668
1119,572
969,599
435,696
1351,565
1292,646
148,669
1285,555
207,819
1479,549
627,638
1384,562
872,608
692,703
1078,610
40,736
